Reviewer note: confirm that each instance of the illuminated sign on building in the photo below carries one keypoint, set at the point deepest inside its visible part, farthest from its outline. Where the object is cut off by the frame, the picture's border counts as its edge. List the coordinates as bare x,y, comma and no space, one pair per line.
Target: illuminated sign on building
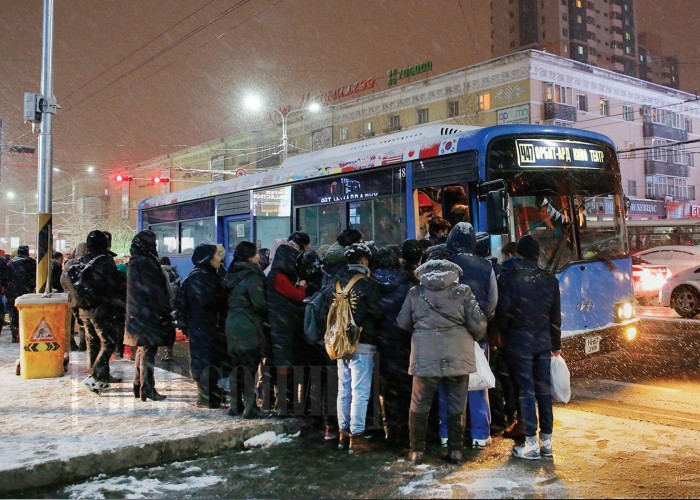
394,75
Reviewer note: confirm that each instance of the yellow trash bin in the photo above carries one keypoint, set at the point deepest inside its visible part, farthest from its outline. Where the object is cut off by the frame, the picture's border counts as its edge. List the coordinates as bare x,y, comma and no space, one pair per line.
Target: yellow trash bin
43,323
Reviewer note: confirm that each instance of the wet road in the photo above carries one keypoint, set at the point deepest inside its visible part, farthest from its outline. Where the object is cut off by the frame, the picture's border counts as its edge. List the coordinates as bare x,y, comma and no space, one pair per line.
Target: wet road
632,429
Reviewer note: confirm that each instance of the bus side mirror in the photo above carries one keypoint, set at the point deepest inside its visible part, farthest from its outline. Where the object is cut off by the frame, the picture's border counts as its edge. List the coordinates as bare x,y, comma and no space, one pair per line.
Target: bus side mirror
497,212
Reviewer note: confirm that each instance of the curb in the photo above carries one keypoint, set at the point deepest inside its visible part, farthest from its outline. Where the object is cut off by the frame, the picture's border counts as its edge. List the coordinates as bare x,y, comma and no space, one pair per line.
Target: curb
82,467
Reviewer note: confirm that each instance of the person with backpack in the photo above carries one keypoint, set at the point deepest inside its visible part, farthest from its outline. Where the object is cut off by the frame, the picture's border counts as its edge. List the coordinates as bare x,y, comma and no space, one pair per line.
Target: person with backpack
21,279
149,323
204,312
353,305
95,282
529,317
444,319
247,310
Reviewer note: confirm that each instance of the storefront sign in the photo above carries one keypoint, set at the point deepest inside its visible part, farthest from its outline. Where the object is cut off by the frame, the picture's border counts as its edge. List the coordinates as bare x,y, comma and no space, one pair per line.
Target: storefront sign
682,210
515,114
647,207
394,75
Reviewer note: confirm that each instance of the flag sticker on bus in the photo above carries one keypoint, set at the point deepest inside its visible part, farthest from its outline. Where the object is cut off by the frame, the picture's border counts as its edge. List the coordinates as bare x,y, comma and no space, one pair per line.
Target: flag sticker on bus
541,153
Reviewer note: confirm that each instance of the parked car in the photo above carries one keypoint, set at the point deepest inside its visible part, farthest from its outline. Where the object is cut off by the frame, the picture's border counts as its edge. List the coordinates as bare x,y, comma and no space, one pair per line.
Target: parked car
682,292
676,257
648,279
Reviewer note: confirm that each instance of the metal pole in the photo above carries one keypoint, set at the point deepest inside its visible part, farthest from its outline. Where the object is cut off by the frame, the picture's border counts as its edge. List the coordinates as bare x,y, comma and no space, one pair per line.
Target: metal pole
45,157
285,145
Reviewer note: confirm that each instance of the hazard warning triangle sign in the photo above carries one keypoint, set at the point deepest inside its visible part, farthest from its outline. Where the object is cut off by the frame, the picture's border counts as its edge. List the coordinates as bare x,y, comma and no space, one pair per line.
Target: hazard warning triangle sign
42,332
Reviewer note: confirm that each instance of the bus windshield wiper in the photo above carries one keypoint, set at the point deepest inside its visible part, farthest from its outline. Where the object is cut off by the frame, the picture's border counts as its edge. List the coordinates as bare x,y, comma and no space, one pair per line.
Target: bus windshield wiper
611,265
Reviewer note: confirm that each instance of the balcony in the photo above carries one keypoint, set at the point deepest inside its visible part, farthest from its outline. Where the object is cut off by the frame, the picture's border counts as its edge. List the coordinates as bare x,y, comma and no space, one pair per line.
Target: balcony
652,167
678,193
651,129
558,111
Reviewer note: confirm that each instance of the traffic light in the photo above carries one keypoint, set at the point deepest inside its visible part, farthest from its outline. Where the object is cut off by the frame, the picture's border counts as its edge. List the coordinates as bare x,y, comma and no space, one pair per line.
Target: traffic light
160,180
123,178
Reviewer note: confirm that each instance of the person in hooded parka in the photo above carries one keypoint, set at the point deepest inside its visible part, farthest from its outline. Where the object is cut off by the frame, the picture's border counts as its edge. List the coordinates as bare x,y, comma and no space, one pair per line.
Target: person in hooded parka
444,319
247,309
481,278
148,323
206,305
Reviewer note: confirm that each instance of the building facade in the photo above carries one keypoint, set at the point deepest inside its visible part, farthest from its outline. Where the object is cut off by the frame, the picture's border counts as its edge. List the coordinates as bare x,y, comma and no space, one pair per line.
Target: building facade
650,124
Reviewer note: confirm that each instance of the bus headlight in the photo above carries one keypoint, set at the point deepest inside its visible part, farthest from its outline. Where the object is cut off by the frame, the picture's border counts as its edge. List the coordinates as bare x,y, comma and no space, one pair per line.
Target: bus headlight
624,311
631,333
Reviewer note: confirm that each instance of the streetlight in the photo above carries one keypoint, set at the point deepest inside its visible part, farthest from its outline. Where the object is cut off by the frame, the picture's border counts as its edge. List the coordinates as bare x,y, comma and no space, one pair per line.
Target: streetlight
254,103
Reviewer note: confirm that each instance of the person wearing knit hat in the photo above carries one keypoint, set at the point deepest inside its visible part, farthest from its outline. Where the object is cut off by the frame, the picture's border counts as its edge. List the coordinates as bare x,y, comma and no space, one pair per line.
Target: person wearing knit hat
206,312
355,372
104,319
528,248
529,318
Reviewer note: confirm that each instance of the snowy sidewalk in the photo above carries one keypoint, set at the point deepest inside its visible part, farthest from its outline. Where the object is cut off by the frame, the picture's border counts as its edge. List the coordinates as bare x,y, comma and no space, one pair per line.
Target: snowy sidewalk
55,430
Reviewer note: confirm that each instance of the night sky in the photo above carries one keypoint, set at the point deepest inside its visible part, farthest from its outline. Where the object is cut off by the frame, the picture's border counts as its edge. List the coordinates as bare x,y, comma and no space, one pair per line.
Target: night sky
141,78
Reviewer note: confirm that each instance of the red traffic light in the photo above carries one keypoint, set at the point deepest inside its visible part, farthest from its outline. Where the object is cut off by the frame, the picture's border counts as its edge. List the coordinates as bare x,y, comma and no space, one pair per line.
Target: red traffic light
160,180
123,178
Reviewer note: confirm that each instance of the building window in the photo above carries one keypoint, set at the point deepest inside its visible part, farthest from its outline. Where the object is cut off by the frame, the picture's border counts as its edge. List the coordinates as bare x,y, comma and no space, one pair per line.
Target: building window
580,49
628,113
659,149
395,122
689,125
579,4
343,134
485,101
604,107
367,128
582,102
565,32
553,92
422,116
579,19
452,109
631,188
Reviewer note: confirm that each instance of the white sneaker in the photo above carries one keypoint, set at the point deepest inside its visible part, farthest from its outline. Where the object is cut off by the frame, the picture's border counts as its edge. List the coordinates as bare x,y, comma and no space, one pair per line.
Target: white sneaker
443,442
94,385
480,444
546,448
529,450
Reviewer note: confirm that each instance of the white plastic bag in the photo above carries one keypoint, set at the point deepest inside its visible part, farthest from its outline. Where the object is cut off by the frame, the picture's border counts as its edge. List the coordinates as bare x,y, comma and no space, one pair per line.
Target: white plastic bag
560,379
483,378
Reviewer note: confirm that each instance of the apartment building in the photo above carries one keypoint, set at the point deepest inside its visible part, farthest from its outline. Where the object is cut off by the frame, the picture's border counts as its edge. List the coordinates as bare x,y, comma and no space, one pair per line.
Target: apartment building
650,124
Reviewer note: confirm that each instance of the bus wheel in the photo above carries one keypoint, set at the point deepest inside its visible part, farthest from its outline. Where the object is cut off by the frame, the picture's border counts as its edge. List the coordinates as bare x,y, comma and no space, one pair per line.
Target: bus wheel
686,301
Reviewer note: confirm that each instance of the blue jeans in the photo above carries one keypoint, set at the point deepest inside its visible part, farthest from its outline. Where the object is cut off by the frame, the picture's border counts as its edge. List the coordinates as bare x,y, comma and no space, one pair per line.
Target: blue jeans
354,388
531,375
479,409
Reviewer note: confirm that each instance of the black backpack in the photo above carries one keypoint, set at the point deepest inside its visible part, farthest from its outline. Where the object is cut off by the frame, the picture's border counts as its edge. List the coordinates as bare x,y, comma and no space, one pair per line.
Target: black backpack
181,311
83,285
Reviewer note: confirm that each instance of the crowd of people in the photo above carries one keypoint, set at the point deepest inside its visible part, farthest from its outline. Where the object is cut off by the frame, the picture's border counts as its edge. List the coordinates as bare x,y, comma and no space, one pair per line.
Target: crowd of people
419,308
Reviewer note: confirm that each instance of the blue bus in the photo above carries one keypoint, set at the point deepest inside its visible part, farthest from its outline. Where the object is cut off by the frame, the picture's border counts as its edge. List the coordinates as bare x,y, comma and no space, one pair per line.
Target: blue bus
507,180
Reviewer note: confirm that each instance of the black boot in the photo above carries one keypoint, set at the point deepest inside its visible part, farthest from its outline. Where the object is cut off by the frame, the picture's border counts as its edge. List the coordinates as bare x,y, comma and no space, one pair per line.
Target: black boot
417,431
455,438
137,391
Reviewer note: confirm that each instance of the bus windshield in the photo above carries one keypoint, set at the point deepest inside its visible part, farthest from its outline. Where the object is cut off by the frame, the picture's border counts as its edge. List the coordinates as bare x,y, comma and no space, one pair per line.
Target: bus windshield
553,206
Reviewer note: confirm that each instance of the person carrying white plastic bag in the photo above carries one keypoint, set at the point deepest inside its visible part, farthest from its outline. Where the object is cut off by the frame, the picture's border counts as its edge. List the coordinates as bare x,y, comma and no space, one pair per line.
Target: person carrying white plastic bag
529,317
483,378
561,380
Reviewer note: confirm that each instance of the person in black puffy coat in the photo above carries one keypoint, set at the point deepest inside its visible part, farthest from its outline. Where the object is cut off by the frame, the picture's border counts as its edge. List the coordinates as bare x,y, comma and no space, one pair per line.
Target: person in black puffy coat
394,345
21,279
206,311
148,323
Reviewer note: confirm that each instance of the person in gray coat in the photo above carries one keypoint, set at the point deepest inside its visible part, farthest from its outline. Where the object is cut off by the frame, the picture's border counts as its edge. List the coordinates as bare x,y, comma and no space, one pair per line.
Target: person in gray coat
445,320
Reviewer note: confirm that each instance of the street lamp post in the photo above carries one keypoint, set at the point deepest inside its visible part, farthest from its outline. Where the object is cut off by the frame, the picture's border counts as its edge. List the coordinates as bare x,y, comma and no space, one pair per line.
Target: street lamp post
255,104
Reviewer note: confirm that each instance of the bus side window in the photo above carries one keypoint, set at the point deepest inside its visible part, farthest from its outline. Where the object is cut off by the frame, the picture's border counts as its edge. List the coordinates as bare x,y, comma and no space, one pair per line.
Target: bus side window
455,201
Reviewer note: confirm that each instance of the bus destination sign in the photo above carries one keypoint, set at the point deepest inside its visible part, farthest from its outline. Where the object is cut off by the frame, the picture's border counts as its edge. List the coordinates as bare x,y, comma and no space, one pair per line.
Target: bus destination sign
548,153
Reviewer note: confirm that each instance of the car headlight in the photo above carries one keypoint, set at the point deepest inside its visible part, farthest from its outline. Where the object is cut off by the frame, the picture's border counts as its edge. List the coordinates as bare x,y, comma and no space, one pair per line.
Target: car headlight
624,311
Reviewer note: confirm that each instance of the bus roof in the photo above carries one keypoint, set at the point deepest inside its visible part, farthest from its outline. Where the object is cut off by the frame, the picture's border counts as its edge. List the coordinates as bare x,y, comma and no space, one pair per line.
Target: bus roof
412,144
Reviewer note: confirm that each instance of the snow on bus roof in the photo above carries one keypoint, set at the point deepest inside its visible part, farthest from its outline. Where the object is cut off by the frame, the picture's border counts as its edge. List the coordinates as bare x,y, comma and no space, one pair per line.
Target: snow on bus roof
422,142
